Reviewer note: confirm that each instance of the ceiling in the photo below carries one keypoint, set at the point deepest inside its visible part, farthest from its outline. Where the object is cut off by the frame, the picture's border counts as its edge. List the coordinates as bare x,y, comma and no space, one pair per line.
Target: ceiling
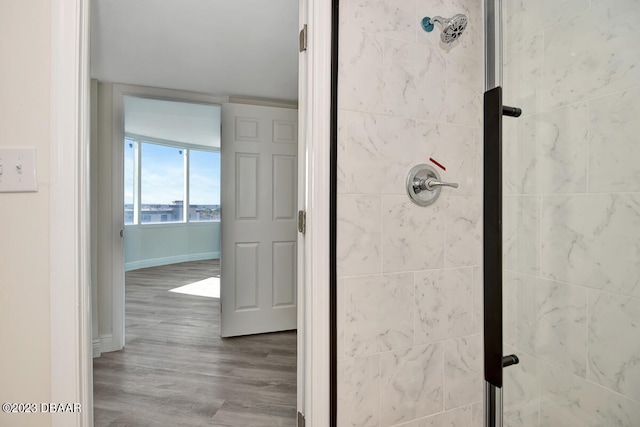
189,123
244,48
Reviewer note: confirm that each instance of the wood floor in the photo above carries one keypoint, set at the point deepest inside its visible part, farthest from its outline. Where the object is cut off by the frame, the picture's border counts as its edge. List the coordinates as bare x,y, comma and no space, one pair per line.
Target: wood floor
175,370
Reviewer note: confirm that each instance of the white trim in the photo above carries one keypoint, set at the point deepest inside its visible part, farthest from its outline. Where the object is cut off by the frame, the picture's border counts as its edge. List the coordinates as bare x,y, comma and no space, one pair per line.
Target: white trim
71,344
96,346
106,343
303,71
318,136
155,262
170,143
70,281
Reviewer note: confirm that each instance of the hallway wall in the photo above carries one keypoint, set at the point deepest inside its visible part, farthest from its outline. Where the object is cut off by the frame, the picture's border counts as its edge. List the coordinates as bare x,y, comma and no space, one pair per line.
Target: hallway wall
25,369
409,286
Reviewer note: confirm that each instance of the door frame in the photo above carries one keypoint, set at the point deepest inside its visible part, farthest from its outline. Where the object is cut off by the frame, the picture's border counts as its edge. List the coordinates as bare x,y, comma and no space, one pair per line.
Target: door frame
70,259
117,188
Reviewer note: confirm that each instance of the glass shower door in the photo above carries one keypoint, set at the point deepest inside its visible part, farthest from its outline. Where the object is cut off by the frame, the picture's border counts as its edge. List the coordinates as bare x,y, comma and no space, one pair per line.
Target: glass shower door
570,206
562,189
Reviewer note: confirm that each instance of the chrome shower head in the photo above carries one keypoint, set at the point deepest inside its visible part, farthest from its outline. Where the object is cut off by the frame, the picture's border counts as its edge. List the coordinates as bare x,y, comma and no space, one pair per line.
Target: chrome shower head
452,28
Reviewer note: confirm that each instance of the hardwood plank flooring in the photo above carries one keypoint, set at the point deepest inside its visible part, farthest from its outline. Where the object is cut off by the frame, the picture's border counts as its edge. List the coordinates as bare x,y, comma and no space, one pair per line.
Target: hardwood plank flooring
175,370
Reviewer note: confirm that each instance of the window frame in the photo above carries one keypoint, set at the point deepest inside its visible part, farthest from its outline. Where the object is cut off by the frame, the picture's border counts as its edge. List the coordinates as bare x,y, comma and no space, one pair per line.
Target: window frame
138,140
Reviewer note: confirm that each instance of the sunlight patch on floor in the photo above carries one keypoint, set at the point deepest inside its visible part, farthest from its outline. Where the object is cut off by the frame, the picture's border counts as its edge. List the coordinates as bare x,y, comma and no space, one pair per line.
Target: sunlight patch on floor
203,288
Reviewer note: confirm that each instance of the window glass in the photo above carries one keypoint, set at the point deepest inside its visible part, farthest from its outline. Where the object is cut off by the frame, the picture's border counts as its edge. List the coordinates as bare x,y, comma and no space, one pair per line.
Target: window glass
129,168
204,186
162,183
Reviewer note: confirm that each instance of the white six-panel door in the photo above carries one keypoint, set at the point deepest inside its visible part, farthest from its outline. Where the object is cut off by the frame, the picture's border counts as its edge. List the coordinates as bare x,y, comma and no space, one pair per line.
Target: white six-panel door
259,219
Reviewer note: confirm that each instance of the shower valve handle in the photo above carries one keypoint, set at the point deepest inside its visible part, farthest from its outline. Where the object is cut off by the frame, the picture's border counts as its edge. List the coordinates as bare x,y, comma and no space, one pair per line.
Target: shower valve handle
432,184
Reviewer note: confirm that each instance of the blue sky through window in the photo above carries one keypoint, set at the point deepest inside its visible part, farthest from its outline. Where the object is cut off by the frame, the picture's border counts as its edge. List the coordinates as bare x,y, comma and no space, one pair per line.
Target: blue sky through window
162,174
204,179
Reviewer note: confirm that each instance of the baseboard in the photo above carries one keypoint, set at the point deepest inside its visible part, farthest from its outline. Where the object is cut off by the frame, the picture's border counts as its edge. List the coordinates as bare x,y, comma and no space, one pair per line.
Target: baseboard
106,343
97,347
134,265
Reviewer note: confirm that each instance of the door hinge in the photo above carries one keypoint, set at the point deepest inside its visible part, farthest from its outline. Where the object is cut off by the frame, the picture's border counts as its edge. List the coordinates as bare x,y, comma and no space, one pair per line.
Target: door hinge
303,38
300,420
121,232
302,222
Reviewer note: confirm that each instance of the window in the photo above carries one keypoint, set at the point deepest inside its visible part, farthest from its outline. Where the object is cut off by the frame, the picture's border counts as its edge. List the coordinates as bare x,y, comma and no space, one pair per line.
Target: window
204,185
162,182
155,183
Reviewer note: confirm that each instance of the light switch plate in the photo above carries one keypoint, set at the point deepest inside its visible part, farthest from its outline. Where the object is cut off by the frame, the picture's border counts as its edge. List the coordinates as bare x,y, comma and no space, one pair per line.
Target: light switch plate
18,170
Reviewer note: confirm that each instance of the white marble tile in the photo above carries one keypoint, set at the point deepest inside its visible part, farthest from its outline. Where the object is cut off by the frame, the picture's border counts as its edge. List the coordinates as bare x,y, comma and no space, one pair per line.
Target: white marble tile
592,54
567,400
519,310
359,392
477,415
414,80
360,72
390,19
615,143
359,234
463,231
521,234
412,236
547,319
551,154
560,335
462,417
378,313
531,88
444,304
463,381
478,166
522,18
513,155
340,318
453,146
478,300
530,420
343,122
592,240
411,383
614,342
470,43
463,101
520,393
379,153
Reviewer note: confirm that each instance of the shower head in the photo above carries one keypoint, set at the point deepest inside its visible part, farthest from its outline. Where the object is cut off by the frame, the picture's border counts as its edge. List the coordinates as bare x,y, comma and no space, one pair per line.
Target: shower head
452,28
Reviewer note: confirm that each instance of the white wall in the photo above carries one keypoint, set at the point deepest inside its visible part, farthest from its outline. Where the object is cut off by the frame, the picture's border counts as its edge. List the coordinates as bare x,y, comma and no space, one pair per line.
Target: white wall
103,196
150,245
409,280
25,370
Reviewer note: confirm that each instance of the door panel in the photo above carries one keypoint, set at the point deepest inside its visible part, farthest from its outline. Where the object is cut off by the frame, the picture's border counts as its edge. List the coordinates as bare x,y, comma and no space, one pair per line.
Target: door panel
259,229
247,186
284,187
246,289
284,274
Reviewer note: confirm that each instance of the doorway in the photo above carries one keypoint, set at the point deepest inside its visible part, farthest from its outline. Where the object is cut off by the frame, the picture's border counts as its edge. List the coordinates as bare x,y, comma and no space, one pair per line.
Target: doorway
70,281
138,214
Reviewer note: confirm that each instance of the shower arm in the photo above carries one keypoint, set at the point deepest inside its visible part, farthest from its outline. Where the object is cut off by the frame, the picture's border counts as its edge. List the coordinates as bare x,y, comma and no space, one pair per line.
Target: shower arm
439,19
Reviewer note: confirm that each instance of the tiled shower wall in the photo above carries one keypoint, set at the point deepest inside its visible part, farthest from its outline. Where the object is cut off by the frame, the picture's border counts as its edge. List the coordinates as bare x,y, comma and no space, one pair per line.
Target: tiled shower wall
572,213
409,286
